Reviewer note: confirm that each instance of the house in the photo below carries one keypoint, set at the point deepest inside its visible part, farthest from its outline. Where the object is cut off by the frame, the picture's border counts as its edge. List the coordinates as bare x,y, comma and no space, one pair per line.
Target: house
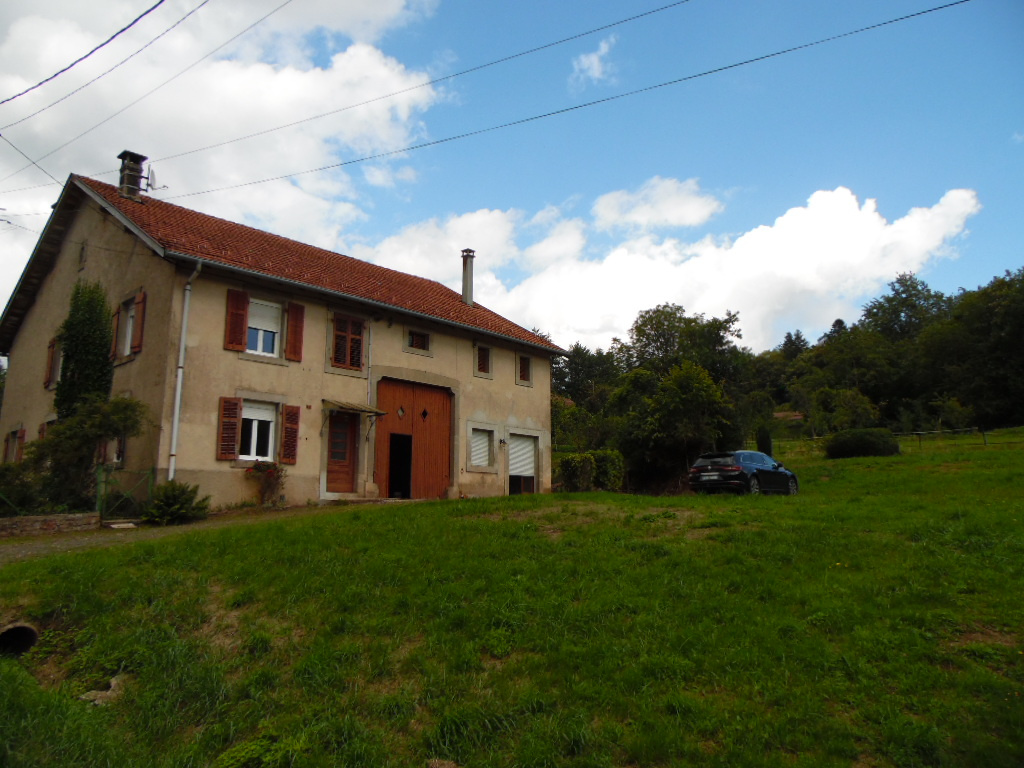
364,381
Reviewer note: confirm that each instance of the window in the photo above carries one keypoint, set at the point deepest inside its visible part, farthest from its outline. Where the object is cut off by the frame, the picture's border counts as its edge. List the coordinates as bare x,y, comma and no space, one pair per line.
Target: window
257,431
257,326
54,359
14,445
481,448
264,328
347,348
248,429
483,362
524,374
419,340
129,319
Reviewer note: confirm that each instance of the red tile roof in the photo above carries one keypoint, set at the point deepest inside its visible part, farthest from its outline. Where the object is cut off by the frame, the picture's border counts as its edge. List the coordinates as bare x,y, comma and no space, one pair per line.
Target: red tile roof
180,230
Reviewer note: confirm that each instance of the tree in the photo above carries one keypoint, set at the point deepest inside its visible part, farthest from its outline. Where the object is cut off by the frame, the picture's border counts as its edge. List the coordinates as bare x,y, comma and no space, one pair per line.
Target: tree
794,345
85,337
906,310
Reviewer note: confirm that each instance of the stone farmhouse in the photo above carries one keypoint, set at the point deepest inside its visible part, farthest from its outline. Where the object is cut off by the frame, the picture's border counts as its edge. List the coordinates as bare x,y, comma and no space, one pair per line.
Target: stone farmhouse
363,381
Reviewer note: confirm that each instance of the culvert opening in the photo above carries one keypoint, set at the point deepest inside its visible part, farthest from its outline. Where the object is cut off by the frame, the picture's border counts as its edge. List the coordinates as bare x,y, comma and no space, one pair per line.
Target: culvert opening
16,639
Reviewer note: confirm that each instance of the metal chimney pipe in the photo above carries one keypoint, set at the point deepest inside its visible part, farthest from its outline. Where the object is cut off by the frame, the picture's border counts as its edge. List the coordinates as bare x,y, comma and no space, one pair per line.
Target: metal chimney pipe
467,275
130,183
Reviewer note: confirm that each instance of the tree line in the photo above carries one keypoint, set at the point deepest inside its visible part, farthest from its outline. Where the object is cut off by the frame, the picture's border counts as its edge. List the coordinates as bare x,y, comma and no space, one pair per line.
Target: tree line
681,384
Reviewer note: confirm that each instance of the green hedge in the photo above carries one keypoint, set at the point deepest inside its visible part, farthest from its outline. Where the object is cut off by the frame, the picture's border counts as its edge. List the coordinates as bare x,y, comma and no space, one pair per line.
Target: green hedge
861,442
602,470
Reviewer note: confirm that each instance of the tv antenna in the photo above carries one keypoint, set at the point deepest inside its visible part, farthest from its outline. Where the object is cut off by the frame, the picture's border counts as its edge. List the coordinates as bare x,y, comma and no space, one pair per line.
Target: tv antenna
151,180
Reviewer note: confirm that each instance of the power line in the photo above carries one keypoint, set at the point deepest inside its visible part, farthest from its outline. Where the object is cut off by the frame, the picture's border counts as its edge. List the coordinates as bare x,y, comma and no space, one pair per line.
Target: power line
435,81
153,90
98,77
33,162
83,58
576,107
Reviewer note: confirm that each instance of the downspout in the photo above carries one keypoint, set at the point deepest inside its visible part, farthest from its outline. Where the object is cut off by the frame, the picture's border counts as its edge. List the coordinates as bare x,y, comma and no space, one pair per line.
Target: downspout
180,375
368,476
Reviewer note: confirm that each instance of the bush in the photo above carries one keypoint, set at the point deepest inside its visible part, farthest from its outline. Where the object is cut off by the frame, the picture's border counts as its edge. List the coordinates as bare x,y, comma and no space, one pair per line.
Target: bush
609,470
174,502
577,470
21,489
861,442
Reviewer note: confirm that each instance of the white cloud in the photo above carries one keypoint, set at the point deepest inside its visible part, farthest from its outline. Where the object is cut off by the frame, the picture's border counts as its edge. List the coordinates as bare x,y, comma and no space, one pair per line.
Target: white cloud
590,68
658,203
813,264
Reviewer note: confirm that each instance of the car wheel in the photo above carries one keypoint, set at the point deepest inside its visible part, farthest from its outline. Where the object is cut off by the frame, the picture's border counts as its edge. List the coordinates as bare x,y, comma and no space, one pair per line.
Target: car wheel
793,487
753,486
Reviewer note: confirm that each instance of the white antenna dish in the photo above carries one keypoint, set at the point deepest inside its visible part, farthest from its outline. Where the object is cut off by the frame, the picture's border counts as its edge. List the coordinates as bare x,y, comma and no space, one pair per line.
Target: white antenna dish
151,180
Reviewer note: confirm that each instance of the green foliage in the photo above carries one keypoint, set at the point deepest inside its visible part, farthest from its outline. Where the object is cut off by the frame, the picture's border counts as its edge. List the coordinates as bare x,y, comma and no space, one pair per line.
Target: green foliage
577,472
269,477
861,442
22,491
175,502
609,470
87,371
67,456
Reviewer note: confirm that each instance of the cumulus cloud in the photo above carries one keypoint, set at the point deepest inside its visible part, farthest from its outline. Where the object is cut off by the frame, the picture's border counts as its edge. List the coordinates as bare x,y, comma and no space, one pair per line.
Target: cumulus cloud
591,68
266,78
657,203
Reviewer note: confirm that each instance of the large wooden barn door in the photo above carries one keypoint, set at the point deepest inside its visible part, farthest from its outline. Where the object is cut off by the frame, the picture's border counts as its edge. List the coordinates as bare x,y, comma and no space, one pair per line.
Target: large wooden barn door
414,440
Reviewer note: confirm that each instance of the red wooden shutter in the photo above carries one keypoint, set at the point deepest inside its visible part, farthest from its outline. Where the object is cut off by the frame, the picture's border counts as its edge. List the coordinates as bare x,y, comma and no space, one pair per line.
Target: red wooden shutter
355,345
140,321
42,430
20,450
524,368
51,350
296,322
236,325
483,359
229,428
113,338
290,434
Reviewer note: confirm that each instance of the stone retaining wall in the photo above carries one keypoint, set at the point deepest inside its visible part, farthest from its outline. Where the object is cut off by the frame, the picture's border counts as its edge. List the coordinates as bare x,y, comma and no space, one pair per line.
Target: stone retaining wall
33,525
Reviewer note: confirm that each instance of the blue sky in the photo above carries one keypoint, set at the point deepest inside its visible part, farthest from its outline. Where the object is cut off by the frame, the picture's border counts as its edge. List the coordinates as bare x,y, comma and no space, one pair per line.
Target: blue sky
790,190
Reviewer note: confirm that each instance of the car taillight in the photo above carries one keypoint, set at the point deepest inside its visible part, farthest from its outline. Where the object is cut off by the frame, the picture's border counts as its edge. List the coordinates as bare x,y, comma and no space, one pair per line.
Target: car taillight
730,468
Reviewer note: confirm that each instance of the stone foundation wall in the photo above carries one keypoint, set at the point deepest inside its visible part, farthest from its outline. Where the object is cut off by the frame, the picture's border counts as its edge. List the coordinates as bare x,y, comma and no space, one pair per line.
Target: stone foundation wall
32,525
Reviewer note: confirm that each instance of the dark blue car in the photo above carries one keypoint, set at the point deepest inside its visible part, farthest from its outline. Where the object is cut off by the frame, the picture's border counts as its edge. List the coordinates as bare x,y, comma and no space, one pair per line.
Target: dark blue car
741,472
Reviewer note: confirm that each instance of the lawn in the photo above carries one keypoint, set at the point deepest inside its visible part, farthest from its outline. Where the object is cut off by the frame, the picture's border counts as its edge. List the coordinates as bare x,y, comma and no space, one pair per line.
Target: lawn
876,619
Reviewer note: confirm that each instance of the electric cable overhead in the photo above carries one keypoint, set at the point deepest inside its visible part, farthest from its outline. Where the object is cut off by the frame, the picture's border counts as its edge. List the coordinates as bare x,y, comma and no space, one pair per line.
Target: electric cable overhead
33,162
565,110
104,74
152,90
86,56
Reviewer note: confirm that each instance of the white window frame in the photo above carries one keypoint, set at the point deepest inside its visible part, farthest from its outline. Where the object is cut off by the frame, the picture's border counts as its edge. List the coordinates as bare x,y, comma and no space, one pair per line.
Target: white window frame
254,413
126,327
519,367
478,433
264,325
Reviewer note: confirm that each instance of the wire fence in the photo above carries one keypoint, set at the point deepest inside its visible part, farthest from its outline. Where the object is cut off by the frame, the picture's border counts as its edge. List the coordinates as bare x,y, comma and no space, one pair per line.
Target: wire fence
120,493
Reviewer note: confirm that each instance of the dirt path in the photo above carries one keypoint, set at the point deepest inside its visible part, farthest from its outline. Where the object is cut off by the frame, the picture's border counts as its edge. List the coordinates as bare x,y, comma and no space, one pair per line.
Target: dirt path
25,547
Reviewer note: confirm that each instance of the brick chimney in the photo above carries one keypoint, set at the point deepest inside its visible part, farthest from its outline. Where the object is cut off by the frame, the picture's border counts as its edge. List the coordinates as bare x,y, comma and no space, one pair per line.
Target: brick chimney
130,183
467,275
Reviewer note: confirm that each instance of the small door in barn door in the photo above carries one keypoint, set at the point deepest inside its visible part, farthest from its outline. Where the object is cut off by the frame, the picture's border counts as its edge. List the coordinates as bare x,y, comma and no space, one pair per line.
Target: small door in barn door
522,464
414,440
342,451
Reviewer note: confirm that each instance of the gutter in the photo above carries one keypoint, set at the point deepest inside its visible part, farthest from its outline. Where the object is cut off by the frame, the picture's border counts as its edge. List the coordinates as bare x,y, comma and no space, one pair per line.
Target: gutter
180,374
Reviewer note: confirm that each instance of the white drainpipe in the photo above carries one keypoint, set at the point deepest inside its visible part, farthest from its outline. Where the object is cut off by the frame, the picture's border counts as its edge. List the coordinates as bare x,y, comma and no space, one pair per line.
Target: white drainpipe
180,376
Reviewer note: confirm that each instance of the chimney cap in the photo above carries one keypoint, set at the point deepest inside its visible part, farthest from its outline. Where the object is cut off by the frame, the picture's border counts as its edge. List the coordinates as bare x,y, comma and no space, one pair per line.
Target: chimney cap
468,252
132,157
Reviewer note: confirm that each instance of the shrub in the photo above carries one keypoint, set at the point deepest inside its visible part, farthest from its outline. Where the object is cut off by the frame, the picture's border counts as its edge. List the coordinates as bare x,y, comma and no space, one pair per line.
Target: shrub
861,442
577,470
174,502
270,477
609,470
21,492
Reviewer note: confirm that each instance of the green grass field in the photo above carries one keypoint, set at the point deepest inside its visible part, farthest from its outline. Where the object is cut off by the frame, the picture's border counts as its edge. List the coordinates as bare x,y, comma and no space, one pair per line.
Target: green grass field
877,619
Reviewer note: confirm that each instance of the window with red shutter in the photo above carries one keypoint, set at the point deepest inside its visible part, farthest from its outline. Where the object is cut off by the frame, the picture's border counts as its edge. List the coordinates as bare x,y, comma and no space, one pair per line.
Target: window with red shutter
52,357
290,434
347,349
115,333
229,424
525,370
236,324
296,323
483,360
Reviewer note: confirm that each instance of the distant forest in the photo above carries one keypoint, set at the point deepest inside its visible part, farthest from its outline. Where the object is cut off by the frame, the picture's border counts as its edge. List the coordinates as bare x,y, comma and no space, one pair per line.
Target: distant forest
916,360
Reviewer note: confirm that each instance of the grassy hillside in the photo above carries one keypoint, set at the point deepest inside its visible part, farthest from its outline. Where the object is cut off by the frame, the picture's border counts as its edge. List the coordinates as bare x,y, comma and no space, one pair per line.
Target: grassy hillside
874,620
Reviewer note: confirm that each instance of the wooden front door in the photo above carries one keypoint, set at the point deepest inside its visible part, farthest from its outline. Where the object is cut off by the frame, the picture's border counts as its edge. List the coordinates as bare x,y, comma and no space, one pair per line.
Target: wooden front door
342,452
414,440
